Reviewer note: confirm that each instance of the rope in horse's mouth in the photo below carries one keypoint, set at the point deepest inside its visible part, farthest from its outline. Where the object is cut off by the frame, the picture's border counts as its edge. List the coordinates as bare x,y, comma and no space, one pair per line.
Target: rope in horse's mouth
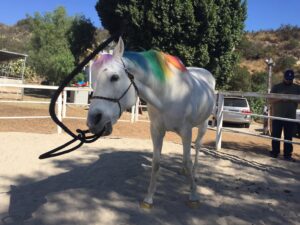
82,135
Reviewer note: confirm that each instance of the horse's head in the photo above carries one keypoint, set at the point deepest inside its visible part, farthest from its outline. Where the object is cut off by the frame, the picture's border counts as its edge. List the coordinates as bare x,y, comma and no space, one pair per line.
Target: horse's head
113,91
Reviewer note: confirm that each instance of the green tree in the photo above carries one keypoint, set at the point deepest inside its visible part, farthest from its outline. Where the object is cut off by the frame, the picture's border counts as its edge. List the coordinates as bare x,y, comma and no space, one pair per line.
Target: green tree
201,32
241,80
258,84
81,36
50,52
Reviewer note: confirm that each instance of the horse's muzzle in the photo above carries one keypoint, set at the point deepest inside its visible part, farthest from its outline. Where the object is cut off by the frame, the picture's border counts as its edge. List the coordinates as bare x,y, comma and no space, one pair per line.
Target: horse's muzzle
104,131
108,129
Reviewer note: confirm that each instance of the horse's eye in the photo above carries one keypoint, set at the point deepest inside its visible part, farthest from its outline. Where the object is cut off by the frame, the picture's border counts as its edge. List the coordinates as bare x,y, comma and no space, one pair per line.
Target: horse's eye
114,78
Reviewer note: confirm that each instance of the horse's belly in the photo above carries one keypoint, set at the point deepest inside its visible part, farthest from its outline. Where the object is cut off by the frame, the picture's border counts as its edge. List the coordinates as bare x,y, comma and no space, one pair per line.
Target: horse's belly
176,121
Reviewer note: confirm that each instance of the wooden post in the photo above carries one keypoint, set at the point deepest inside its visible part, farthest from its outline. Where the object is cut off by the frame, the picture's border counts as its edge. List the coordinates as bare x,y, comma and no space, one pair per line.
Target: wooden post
136,113
64,104
59,112
219,121
132,113
270,64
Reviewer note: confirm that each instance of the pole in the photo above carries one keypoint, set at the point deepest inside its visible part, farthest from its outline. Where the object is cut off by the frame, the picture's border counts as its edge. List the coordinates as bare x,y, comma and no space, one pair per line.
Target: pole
219,121
59,112
64,104
23,72
90,73
270,64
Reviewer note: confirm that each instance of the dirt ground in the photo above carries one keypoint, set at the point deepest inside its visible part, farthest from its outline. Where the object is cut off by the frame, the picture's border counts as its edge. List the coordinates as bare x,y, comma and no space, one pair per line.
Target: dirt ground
124,128
104,182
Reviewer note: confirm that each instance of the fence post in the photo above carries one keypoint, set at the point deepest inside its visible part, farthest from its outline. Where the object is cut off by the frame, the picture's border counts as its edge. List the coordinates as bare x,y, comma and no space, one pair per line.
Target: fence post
64,104
219,121
132,113
136,113
59,112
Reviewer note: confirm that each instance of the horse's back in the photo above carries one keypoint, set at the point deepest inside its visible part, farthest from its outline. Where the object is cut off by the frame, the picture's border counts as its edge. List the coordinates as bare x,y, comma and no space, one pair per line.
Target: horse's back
203,74
203,95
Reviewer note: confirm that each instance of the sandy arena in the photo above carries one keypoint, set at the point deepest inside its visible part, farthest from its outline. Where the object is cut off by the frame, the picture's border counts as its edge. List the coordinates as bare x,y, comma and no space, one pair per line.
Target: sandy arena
103,183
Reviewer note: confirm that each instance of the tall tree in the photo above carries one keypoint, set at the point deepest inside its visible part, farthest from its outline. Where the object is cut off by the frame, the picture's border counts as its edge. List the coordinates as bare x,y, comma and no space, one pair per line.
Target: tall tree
201,32
81,36
50,53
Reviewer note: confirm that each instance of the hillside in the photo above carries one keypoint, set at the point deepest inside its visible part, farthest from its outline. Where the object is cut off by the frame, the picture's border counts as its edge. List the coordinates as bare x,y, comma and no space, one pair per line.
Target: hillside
282,45
15,38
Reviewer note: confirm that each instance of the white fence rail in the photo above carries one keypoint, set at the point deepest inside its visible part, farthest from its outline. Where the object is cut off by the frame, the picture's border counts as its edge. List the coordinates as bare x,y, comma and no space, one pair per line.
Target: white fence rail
62,108
61,103
220,111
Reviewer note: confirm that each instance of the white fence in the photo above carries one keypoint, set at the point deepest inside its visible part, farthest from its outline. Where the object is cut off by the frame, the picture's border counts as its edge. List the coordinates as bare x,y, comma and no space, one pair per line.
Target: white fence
220,112
61,103
62,108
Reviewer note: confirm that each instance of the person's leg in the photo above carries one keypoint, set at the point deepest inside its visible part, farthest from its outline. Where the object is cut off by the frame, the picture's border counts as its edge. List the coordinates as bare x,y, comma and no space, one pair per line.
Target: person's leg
276,132
288,128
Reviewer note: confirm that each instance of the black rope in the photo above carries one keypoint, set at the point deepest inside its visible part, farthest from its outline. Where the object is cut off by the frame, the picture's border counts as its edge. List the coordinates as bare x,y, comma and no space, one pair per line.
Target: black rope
81,134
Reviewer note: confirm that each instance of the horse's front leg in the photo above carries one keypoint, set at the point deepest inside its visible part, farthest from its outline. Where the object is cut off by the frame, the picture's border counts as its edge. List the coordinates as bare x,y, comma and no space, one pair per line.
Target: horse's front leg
157,136
186,137
201,131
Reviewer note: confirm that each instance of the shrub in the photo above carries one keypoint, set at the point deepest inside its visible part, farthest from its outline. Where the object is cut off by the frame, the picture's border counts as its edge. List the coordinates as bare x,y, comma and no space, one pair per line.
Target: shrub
240,80
288,32
291,45
251,50
258,84
284,63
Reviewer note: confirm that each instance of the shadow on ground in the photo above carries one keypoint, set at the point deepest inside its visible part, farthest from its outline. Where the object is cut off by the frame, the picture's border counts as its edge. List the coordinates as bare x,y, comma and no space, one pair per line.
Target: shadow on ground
108,191
249,147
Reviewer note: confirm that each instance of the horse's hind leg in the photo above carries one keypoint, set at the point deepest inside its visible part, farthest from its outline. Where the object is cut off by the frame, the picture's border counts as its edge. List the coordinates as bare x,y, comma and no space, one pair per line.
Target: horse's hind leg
186,137
201,131
157,139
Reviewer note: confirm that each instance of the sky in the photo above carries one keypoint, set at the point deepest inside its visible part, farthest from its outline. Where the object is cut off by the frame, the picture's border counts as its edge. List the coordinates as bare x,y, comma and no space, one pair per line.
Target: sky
262,14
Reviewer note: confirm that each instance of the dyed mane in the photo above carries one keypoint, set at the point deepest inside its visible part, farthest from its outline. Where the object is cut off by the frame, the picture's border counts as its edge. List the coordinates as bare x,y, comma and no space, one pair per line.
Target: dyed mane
162,65
102,59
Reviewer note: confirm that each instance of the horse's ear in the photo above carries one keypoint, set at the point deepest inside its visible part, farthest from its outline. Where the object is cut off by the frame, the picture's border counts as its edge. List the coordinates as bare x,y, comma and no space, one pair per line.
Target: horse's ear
119,49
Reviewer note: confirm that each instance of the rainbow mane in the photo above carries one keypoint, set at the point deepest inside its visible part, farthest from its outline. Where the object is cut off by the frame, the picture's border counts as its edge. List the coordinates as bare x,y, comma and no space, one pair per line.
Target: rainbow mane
162,65
102,59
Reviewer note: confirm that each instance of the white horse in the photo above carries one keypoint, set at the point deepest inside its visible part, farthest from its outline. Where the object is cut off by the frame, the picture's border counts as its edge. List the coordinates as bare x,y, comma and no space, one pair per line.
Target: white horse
178,99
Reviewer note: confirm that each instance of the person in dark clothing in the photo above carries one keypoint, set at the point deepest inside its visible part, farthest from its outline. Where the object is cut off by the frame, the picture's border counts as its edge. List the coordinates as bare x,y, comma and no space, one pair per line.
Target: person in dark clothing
286,109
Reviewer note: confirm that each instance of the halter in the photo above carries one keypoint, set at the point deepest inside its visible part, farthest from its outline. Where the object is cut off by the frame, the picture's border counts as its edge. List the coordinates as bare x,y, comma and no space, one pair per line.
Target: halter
117,100
82,135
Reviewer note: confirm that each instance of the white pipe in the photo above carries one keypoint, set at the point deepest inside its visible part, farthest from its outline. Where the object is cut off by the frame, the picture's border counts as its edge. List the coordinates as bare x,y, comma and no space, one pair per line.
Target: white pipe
64,104
24,117
59,112
136,117
219,122
259,135
132,113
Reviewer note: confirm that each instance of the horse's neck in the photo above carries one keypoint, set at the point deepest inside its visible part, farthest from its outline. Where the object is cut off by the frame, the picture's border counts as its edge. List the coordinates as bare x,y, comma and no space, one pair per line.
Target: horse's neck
149,88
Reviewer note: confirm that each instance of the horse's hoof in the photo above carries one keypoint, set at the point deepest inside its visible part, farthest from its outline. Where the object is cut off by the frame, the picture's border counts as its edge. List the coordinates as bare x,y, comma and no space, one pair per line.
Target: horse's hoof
193,204
145,205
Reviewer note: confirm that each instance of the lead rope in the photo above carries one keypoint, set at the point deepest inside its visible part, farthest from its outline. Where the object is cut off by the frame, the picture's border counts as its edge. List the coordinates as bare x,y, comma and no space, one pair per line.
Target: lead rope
81,135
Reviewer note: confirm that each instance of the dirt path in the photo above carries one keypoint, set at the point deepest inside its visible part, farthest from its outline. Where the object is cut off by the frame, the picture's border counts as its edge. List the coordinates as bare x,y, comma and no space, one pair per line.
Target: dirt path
124,128
103,183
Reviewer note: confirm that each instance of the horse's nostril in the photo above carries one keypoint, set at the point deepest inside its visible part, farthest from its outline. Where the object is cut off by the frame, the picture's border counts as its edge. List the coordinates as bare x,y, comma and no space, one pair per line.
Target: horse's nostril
98,118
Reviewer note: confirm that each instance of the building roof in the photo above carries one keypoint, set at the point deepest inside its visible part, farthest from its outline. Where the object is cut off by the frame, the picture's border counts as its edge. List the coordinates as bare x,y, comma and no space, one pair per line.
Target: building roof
7,55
